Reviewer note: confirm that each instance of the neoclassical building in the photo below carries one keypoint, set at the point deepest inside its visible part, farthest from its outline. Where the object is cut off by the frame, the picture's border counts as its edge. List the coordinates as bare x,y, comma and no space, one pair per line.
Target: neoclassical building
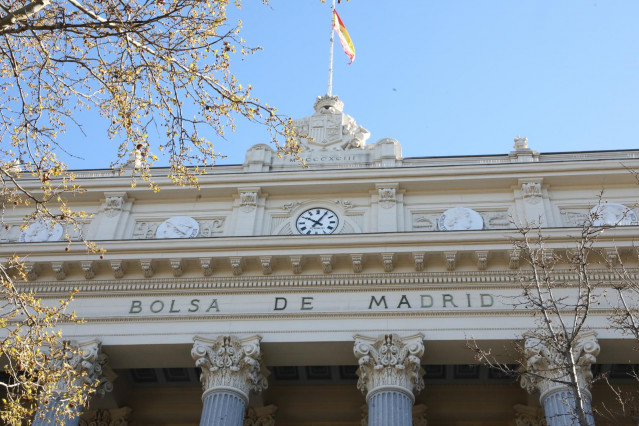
341,293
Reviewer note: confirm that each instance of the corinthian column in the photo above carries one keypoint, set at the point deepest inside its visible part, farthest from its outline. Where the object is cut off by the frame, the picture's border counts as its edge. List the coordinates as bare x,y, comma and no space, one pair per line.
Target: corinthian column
91,366
549,374
231,369
389,374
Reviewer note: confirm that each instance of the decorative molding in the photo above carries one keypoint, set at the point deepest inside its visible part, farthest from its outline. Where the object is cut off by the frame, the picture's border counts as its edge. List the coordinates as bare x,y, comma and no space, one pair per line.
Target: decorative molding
387,259
176,267
236,265
482,259
531,191
528,415
147,267
419,415
31,270
514,258
118,268
106,417
228,362
327,263
547,366
357,262
114,203
450,257
418,259
573,218
345,204
424,222
390,361
206,263
612,256
267,266
260,416
59,270
387,197
87,268
296,264
248,200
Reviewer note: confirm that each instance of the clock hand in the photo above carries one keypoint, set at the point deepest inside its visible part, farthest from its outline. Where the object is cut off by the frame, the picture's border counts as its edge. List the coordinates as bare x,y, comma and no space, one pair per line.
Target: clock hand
320,219
317,222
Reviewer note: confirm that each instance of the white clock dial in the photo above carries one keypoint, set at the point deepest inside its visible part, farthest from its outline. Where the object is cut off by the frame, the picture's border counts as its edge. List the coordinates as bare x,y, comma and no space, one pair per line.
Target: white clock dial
316,221
178,227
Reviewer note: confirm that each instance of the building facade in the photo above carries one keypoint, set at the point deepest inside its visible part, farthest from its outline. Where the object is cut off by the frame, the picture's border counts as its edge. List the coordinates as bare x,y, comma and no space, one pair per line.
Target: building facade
341,293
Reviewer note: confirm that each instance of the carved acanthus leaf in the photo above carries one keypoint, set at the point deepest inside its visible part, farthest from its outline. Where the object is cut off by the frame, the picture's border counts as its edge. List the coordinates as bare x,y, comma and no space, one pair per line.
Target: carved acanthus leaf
228,362
390,361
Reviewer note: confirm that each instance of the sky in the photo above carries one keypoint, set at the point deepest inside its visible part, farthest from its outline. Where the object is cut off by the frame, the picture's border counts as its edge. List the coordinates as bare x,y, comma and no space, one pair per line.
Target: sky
443,77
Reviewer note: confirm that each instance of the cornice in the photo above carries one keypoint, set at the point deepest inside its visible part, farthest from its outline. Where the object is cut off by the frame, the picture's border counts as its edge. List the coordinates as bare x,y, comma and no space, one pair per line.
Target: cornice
396,282
442,168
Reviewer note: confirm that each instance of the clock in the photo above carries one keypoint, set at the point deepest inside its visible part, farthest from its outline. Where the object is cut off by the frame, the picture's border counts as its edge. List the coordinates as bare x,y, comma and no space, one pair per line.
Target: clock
317,220
178,227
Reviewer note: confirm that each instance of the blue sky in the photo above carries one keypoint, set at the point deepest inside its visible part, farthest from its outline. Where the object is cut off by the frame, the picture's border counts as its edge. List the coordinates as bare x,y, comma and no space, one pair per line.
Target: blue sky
444,77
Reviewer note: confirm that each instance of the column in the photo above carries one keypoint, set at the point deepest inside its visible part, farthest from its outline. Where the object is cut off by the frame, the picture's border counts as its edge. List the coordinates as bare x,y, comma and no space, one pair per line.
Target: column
390,374
90,365
231,368
549,370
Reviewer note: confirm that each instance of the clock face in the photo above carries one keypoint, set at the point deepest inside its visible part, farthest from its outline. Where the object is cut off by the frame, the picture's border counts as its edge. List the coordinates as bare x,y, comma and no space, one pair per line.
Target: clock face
317,220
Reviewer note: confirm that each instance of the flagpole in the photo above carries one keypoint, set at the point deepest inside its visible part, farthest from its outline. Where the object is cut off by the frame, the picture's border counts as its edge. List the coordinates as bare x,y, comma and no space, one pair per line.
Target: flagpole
330,61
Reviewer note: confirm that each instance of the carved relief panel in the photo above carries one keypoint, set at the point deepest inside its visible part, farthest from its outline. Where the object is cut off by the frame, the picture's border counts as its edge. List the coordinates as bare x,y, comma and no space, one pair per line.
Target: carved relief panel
209,227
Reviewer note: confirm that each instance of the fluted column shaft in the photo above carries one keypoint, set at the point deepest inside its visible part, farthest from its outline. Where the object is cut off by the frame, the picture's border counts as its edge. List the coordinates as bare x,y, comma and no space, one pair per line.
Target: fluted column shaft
559,407
548,370
389,374
223,408
231,368
390,407
46,415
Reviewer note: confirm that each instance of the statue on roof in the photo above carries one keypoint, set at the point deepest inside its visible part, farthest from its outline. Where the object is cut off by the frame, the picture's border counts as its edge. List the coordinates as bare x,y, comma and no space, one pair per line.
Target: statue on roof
329,128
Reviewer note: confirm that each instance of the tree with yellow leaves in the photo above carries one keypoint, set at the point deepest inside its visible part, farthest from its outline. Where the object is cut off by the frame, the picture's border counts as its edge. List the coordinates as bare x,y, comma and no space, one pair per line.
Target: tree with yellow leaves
144,65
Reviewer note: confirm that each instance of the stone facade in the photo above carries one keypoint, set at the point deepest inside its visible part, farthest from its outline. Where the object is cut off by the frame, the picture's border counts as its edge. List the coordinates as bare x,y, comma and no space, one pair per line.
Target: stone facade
406,260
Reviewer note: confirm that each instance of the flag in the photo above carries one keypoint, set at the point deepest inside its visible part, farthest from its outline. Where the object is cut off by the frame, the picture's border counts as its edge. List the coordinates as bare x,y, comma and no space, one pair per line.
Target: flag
344,38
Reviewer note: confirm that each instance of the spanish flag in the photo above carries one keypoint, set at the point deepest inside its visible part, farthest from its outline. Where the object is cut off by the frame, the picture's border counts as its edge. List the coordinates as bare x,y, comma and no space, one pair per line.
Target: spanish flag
344,38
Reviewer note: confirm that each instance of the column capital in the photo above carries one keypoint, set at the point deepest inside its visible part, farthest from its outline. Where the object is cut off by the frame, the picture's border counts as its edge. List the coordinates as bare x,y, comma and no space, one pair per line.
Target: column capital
229,363
549,368
390,362
91,364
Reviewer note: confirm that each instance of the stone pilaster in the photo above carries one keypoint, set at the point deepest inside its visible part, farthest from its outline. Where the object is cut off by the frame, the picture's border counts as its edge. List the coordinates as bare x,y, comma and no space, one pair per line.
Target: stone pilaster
91,364
390,374
550,376
231,369
248,211
114,213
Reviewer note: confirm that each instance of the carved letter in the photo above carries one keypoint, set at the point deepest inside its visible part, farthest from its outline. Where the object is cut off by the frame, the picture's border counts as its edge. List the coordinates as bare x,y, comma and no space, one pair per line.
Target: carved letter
307,303
486,304
158,303
195,303
403,301
172,306
136,307
277,303
430,299
213,305
373,300
448,298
